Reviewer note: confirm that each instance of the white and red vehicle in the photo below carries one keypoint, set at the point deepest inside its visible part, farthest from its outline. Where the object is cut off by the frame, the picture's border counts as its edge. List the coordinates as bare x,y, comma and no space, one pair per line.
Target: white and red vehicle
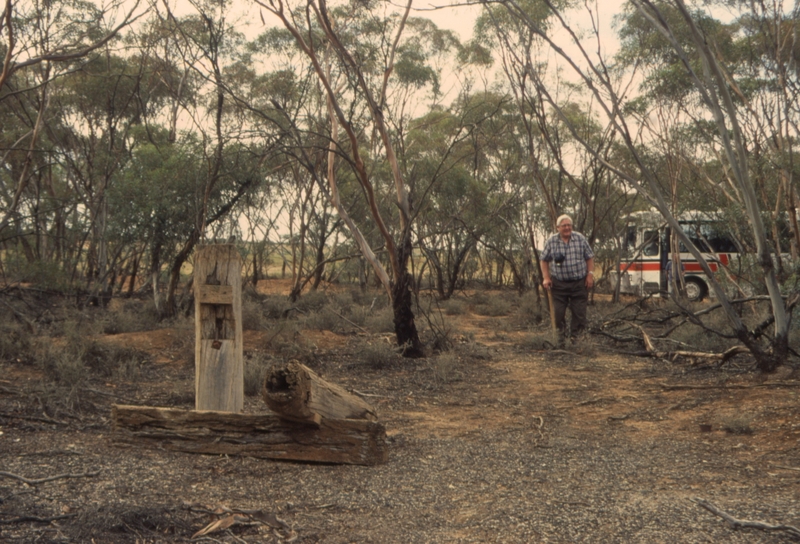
647,256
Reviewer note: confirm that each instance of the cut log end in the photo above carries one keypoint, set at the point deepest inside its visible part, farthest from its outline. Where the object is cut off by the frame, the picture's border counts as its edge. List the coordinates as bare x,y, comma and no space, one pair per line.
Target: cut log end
296,392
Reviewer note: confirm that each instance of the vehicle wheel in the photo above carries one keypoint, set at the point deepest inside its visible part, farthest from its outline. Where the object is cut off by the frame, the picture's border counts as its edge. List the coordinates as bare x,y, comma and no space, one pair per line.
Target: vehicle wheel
696,289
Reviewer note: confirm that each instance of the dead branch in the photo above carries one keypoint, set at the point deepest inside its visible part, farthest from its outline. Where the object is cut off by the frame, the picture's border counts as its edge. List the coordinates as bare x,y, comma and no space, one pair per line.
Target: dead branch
759,330
730,386
648,344
695,319
227,517
362,329
49,478
23,519
784,467
33,418
672,329
672,355
742,523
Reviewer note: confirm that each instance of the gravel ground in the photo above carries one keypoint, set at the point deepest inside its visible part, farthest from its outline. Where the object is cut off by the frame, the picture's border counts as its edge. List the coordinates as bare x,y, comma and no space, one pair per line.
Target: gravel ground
506,445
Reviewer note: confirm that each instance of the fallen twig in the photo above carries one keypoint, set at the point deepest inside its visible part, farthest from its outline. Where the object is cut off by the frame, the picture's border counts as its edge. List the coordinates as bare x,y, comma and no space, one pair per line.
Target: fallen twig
34,418
740,523
361,394
671,355
648,344
23,519
784,467
228,517
49,478
730,386
362,329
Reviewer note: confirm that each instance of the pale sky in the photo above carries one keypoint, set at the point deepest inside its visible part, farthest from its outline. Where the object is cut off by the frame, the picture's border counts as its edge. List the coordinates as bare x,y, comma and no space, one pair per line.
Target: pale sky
459,19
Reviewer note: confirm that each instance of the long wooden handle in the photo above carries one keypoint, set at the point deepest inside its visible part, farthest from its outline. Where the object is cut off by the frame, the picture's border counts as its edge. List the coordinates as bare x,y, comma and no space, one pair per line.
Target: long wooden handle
552,315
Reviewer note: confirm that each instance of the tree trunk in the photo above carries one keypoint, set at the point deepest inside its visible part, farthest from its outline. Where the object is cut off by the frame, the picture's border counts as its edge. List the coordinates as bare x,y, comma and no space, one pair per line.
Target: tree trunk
402,302
171,306
133,274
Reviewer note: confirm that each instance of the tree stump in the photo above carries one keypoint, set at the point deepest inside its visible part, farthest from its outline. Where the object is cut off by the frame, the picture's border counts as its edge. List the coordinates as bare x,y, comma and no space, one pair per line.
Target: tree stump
219,366
295,392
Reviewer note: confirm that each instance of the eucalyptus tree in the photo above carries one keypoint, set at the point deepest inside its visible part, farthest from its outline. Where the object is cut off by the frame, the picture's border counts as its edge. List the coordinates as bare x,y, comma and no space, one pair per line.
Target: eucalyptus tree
286,106
519,51
714,84
768,90
44,40
560,175
101,103
378,66
463,154
207,44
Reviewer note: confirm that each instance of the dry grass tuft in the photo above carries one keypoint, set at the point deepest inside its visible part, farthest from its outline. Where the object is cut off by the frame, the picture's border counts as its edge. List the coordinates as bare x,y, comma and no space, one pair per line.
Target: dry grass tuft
378,354
256,366
739,424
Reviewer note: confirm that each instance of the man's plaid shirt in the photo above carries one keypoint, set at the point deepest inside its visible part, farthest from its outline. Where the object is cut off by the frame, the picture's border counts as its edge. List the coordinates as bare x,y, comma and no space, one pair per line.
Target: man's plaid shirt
573,256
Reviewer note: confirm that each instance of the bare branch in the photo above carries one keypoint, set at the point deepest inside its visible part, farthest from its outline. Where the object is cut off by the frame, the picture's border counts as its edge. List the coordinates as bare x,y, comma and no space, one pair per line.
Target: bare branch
37,481
744,523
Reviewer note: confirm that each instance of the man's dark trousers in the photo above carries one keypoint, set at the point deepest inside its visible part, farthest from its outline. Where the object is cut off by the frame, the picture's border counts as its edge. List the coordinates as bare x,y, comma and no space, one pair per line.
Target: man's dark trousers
572,295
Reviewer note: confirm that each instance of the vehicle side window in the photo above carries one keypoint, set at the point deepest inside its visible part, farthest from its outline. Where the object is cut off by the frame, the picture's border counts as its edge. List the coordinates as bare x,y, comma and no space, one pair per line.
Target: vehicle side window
650,243
630,241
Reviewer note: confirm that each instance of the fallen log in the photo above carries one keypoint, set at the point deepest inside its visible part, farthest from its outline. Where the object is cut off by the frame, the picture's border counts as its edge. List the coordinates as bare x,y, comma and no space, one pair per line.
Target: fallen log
268,436
296,392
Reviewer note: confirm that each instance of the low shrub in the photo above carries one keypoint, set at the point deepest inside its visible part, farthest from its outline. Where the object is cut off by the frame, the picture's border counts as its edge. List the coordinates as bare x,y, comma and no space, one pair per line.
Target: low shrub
537,341
131,316
496,306
256,366
446,368
454,306
312,301
253,318
379,320
532,310
74,359
379,355
275,306
324,319
286,340
16,343
737,425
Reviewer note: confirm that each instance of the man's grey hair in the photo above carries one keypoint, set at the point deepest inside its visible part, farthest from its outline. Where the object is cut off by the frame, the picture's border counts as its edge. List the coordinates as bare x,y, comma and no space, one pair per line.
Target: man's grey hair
561,218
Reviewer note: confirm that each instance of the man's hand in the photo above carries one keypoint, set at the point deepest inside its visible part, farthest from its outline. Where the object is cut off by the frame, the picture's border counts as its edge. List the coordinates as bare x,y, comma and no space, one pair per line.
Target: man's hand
547,283
589,280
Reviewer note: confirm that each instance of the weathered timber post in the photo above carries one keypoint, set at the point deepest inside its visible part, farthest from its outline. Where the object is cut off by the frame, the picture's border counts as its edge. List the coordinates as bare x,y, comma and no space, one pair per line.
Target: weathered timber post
219,367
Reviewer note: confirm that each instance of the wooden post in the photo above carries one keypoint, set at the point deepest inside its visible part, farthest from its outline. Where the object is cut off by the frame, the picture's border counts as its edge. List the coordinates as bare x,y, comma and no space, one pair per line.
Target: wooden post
219,367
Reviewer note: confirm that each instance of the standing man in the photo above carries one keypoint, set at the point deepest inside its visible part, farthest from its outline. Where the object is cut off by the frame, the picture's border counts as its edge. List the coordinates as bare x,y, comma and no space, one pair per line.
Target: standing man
568,271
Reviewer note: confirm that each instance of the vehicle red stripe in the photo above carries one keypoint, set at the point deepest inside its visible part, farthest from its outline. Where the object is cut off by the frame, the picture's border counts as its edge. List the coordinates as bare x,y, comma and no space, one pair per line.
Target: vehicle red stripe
638,267
695,267
687,266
